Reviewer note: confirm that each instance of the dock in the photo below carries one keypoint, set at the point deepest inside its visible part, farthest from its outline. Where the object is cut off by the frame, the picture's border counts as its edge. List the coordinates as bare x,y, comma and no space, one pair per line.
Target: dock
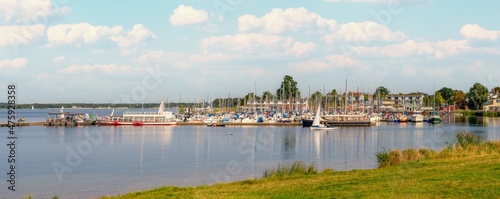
88,123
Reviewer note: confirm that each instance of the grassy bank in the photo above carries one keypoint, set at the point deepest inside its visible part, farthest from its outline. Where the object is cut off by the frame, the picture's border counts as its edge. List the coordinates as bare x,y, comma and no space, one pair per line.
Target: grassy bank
469,168
471,113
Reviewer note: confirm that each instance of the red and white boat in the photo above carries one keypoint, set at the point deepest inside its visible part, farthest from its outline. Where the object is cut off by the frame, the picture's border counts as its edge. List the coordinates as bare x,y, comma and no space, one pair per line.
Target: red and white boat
161,117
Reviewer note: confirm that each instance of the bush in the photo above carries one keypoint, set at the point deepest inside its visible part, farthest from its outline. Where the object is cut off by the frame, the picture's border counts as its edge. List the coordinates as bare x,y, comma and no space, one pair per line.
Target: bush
465,140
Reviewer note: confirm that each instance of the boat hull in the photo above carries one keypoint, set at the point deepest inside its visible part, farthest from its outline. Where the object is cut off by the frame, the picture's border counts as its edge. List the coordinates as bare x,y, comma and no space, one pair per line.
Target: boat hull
136,123
309,122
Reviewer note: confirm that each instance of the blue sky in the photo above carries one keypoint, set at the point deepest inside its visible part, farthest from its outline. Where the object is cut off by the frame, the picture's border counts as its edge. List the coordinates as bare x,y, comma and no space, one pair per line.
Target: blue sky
132,52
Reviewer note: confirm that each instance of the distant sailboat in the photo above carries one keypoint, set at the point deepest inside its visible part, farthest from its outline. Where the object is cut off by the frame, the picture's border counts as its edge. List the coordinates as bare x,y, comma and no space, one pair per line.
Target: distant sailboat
316,125
32,107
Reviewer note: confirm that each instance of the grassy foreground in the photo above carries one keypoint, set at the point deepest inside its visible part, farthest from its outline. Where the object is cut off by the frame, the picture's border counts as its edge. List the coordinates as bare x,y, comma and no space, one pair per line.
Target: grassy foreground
468,169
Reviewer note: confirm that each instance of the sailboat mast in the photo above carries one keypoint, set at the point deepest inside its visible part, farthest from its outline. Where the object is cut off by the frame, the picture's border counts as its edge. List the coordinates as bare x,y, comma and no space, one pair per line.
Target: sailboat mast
345,100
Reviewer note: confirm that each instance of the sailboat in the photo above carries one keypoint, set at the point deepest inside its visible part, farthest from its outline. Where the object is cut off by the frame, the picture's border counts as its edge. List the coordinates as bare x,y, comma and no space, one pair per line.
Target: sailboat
434,119
316,125
32,107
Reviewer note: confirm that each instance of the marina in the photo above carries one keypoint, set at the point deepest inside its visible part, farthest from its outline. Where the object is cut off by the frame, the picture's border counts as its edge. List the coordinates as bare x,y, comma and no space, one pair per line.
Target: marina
125,158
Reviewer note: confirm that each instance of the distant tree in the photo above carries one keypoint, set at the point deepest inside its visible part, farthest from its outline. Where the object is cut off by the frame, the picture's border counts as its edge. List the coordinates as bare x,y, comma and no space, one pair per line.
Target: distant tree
288,88
267,95
333,97
251,96
477,96
439,99
459,98
446,93
383,92
315,97
495,90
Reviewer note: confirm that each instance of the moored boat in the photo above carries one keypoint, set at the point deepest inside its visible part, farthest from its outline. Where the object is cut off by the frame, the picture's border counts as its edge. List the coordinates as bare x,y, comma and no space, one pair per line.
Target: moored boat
161,117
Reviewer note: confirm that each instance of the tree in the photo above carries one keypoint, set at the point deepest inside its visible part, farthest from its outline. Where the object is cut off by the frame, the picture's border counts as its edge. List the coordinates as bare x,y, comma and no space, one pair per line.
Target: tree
459,98
477,96
251,97
439,99
447,93
333,97
288,88
315,97
383,92
495,90
267,95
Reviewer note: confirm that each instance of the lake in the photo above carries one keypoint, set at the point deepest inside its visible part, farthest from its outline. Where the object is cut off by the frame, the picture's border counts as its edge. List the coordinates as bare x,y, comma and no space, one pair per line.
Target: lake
91,161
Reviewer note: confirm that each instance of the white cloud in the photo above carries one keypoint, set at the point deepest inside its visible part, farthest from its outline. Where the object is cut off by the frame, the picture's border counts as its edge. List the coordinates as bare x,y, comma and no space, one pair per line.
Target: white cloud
301,48
30,11
102,68
341,61
279,21
76,34
474,31
311,66
18,34
138,34
249,43
59,58
187,15
409,48
363,33
13,64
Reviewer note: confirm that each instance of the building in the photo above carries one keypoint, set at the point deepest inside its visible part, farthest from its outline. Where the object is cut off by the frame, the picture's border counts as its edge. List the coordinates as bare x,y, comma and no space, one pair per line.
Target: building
492,105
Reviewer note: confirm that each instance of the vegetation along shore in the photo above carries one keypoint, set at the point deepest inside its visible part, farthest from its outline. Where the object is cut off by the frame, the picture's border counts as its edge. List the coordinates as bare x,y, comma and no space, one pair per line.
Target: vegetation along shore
467,168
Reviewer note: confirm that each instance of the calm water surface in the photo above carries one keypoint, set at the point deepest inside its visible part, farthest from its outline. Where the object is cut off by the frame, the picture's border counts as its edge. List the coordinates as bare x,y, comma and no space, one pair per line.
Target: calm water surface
86,162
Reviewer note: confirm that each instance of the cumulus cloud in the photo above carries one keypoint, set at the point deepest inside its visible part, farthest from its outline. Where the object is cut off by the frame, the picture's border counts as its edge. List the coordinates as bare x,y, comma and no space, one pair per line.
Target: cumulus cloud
364,32
19,34
249,43
301,48
69,34
14,63
85,33
341,61
101,68
30,11
187,15
291,19
474,31
409,48
138,34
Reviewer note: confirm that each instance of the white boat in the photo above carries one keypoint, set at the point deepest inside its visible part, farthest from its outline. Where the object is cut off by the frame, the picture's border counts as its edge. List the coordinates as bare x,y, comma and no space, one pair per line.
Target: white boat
161,117
316,125
417,116
32,107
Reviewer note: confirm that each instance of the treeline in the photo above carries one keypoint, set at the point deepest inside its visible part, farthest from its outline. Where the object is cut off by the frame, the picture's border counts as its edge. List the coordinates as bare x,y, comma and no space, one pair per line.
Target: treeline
4,105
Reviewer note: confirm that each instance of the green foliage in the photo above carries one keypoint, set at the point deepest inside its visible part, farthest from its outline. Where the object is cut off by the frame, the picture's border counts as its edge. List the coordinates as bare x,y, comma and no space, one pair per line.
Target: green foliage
477,96
439,99
490,114
295,168
383,92
266,95
459,98
468,139
495,90
288,88
447,94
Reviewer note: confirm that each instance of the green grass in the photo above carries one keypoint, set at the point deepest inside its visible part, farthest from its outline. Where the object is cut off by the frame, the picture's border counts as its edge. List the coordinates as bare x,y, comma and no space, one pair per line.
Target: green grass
469,168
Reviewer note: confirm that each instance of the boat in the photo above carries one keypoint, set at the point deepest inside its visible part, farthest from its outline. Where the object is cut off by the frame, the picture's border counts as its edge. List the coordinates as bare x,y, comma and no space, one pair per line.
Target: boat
434,118
316,125
416,115
161,117
32,107
216,124
403,118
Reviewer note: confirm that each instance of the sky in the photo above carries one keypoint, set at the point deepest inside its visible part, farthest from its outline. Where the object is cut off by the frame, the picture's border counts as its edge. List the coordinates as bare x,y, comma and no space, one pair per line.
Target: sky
66,51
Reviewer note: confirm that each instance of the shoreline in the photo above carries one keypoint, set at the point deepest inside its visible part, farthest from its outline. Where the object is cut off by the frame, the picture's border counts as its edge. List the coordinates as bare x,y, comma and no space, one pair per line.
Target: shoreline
178,124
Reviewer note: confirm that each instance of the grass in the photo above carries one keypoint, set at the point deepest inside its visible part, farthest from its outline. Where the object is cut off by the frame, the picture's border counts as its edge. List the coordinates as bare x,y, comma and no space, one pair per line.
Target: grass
472,113
469,168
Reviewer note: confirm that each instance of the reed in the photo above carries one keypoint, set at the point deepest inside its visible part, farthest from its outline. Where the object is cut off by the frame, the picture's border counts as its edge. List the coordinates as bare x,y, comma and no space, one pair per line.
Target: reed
466,144
287,169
